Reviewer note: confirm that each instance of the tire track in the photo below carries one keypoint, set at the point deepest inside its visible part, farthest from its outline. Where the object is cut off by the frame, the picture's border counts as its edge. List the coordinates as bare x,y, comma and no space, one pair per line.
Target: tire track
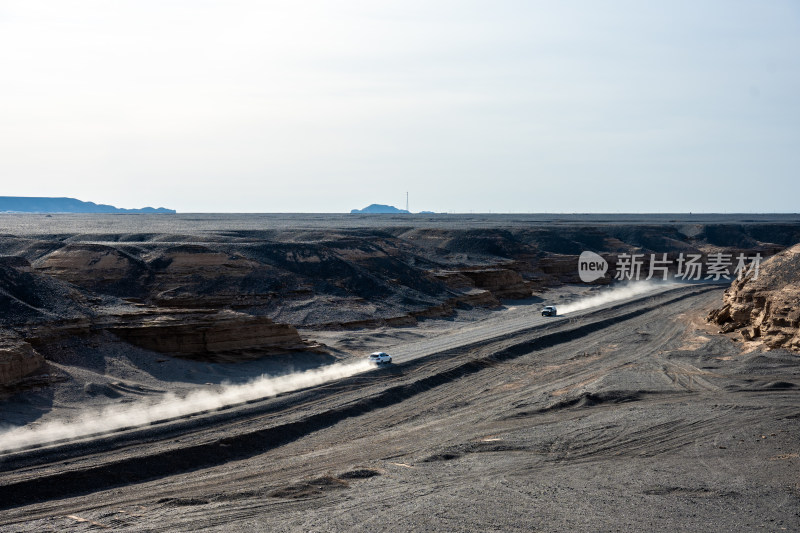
163,463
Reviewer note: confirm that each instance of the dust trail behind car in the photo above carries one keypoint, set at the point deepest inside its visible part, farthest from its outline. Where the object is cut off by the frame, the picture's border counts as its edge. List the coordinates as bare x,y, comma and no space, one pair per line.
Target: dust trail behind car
170,406
614,294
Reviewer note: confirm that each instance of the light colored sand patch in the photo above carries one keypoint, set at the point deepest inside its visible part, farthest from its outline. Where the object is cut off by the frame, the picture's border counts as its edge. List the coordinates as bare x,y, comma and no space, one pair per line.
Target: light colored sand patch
694,343
514,385
561,392
784,457
752,346
86,520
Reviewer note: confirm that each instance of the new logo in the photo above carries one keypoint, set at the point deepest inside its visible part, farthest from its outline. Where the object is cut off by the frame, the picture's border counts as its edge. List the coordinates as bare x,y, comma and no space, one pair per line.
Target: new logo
591,267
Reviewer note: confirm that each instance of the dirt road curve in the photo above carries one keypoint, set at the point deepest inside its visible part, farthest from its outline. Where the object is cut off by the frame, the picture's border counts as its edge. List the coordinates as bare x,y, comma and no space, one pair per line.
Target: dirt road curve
632,418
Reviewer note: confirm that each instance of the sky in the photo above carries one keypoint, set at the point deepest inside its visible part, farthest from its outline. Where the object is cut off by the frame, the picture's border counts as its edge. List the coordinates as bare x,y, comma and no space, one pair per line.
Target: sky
469,106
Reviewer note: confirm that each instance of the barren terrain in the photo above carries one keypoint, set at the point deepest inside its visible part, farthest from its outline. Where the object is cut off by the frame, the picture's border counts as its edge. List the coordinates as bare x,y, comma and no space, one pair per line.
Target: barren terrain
633,414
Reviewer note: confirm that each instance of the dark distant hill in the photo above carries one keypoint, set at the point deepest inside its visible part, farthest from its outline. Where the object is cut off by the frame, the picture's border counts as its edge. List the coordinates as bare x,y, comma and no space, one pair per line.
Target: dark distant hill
378,208
32,204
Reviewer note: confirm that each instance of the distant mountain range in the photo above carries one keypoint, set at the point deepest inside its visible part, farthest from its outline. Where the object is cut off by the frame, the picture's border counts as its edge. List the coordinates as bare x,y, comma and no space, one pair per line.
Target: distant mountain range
32,204
379,209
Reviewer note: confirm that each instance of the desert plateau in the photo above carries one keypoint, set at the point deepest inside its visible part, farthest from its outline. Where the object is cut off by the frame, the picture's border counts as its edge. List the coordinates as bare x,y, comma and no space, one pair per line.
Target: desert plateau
209,372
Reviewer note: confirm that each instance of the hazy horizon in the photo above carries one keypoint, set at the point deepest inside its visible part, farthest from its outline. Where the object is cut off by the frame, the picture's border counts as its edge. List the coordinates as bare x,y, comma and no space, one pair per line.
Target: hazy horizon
510,107
689,215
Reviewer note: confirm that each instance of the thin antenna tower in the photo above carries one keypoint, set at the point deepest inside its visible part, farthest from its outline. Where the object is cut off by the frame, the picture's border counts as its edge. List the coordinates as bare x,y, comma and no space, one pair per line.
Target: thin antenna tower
407,201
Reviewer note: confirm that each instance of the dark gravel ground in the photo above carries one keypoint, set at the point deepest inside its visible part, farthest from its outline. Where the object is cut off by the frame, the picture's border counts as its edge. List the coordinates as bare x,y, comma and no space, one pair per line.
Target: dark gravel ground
651,423
187,223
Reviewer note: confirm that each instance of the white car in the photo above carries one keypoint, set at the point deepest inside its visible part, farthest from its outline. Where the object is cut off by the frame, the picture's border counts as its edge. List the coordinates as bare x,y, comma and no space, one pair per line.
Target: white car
380,358
549,310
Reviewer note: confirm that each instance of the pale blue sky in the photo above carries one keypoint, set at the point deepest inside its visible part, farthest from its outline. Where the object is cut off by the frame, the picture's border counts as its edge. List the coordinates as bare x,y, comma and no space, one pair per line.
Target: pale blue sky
502,106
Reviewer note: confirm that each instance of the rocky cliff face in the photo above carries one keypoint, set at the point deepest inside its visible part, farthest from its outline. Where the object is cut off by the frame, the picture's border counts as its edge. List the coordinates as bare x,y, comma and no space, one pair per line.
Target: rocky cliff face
65,299
95,267
315,278
218,337
219,292
502,282
18,360
766,307
27,296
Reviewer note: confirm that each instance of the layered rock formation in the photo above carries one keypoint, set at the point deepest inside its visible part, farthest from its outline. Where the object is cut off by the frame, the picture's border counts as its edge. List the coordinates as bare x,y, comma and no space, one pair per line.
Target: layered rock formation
222,336
28,300
67,299
28,296
766,306
230,290
501,282
95,267
18,361
311,277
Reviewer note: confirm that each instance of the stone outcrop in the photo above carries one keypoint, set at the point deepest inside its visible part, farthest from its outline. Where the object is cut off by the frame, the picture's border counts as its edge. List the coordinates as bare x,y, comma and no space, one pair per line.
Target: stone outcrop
192,276
559,268
94,267
221,336
766,307
28,296
501,282
63,300
454,279
18,360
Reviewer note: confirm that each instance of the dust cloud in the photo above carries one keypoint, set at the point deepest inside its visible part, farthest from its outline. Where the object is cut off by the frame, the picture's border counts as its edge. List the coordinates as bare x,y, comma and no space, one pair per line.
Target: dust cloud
171,406
614,294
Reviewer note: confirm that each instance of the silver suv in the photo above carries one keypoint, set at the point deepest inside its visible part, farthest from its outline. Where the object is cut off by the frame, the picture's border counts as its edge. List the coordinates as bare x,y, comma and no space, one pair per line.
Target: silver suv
549,310
380,358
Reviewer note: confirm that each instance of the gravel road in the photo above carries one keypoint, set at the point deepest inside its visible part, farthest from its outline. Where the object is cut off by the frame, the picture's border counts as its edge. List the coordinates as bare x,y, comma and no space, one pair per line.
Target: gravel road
627,419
